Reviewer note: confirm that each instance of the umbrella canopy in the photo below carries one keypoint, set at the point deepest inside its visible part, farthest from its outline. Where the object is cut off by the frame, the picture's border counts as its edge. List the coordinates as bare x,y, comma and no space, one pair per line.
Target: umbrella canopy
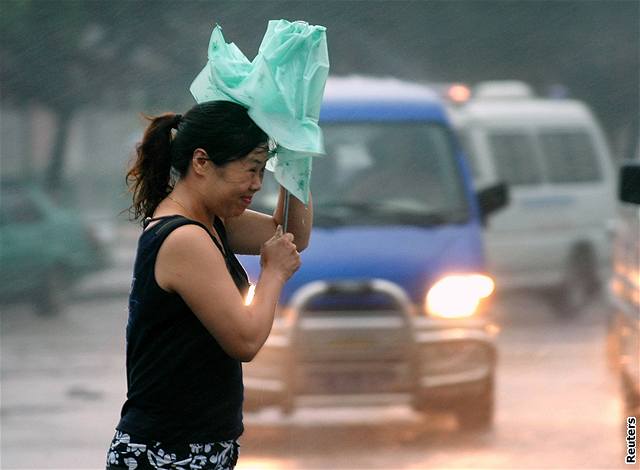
282,89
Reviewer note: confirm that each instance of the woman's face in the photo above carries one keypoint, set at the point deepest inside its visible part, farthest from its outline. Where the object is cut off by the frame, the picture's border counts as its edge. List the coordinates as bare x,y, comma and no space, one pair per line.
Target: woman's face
237,182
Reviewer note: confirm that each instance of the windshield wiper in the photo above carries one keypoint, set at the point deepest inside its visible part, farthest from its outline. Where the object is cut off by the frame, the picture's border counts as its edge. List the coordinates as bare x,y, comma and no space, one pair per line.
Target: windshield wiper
360,206
430,218
384,213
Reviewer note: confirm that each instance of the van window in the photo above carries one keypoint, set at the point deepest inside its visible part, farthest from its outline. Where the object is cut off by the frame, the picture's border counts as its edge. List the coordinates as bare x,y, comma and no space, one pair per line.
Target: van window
569,156
514,158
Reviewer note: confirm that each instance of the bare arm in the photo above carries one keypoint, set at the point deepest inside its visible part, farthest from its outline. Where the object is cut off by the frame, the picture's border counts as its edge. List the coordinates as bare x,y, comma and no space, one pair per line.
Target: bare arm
250,230
190,265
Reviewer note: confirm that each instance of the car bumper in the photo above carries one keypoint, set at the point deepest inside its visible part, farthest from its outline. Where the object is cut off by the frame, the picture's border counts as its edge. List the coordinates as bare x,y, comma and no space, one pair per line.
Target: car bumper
434,362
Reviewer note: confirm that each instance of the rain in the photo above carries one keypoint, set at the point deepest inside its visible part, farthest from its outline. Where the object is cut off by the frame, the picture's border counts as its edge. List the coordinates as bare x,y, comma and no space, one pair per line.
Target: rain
492,227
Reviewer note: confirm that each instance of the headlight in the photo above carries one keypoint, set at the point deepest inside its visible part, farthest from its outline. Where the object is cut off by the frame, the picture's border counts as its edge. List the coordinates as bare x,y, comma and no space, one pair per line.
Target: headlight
458,296
250,293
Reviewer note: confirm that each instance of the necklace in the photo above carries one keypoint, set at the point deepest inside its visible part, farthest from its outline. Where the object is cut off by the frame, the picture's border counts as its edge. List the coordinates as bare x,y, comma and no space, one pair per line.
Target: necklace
186,210
189,214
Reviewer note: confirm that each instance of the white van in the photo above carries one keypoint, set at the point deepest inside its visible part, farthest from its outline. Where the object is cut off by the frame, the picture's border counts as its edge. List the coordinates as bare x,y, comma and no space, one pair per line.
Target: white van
554,157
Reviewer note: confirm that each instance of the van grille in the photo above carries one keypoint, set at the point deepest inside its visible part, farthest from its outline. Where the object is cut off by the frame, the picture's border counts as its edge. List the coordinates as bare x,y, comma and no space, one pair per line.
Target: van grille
352,343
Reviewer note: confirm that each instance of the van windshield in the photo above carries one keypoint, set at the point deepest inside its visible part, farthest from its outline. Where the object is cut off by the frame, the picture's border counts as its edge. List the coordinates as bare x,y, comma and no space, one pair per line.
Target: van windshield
383,174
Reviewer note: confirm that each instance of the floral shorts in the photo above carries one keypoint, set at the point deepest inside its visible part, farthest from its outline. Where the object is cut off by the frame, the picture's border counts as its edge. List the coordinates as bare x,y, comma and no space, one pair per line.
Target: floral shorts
128,453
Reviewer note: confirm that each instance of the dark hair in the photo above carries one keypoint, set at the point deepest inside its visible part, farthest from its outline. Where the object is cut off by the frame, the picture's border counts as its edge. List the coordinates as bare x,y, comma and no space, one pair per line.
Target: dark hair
222,128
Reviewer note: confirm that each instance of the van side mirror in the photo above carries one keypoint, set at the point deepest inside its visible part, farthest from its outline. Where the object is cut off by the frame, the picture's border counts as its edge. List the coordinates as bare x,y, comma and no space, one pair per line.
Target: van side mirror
629,186
492,199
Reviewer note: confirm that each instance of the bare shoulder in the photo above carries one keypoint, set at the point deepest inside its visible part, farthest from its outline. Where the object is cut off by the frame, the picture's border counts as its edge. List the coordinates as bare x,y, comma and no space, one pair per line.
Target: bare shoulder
186,251
186,237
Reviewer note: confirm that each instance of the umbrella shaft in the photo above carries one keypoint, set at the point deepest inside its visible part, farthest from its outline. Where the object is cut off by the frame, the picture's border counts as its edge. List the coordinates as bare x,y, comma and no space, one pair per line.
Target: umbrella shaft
286,211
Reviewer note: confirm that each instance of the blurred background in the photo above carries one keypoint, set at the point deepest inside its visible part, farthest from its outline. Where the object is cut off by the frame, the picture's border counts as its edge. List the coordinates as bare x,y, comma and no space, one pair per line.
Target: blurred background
75,77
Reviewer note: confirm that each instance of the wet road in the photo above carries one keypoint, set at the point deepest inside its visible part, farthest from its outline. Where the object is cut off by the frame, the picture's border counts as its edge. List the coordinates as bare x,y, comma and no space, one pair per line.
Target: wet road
558,406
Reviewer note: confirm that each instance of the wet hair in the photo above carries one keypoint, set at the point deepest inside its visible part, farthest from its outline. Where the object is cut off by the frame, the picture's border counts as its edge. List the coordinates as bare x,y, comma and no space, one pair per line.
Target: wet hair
222,128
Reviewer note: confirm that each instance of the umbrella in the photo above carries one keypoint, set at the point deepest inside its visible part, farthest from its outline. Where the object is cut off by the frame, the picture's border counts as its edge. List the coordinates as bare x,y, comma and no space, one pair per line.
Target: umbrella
282,89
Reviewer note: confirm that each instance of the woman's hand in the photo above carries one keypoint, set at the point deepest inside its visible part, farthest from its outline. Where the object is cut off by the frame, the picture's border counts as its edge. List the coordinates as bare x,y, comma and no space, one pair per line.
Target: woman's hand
280,255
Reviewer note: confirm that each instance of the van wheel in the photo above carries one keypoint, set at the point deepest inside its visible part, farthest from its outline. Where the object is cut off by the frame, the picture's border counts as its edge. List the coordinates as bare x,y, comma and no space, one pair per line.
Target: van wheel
630,394
476,414
579,287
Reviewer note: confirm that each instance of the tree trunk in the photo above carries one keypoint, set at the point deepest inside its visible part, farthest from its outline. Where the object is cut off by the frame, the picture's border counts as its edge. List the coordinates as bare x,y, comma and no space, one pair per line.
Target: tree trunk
55,170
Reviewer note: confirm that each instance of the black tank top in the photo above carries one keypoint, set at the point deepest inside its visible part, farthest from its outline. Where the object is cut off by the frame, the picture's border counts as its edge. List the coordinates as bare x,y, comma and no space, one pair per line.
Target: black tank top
181,386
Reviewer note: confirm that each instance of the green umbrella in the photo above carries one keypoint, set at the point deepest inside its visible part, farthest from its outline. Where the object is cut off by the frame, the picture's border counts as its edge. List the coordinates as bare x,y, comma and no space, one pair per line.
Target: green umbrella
282,89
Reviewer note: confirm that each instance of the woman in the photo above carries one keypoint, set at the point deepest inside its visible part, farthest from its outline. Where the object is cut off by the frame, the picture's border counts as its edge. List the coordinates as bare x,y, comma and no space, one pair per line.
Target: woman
189,328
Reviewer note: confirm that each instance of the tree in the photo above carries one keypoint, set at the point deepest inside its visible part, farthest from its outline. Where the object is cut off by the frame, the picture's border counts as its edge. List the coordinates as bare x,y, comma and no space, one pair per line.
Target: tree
69,54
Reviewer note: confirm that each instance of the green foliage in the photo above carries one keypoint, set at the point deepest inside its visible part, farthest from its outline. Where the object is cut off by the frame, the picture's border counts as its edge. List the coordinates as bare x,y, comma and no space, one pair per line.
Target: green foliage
40,49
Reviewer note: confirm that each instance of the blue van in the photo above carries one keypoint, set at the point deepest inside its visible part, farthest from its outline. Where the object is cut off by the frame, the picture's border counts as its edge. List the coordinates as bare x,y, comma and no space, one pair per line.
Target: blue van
391,301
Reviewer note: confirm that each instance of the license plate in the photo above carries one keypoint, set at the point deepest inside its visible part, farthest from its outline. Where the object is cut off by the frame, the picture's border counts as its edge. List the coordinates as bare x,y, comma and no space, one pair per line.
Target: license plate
357,382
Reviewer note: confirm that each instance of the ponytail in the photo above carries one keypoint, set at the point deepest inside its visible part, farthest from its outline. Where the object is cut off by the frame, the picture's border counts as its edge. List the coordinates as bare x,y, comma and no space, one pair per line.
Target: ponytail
149,179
